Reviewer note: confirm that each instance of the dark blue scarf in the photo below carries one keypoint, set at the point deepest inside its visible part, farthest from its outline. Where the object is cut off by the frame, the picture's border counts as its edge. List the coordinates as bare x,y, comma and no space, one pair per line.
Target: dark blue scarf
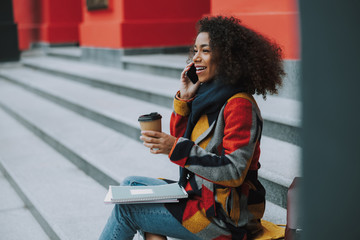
210,98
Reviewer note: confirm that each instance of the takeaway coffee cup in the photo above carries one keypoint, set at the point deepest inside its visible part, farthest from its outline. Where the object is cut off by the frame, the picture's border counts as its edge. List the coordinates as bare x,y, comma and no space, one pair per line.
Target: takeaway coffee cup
150,121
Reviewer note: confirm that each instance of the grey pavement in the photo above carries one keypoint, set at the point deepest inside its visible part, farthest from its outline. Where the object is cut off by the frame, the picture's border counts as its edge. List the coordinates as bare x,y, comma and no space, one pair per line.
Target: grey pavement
16,220
37,173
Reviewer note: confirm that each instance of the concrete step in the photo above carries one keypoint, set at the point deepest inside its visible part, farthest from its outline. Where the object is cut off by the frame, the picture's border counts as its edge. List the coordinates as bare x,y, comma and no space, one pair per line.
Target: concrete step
14,213
159,90
67,203
113,110
281,115
171,65
120,113
68,52
280,164
99,151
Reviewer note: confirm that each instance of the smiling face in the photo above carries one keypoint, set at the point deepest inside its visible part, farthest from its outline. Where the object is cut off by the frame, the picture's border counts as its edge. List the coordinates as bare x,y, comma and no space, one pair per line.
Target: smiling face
205,67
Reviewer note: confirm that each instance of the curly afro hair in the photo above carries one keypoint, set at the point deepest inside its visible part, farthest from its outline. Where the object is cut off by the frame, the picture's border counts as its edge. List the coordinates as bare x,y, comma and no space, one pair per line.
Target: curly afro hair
243,57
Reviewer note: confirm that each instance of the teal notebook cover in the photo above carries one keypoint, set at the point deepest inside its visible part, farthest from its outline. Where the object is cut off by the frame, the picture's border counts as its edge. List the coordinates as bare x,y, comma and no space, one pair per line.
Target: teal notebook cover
142,194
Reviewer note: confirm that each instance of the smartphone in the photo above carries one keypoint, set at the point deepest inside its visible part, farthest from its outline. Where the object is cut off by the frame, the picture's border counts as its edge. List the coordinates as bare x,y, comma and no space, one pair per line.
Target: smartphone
191,74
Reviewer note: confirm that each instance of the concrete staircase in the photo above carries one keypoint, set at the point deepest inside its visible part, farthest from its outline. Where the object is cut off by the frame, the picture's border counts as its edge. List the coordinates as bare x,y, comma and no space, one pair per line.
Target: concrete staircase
69,128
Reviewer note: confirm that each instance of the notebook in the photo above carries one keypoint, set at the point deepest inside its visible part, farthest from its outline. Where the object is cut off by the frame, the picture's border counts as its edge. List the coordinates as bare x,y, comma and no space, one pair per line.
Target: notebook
145,194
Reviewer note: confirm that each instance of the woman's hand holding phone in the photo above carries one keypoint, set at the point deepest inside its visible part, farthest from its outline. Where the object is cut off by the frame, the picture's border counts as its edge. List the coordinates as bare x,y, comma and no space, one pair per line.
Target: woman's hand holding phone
187,87
191,74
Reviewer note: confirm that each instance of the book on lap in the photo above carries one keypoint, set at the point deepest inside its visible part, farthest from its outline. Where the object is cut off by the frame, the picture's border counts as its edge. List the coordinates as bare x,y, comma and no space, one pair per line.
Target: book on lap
145,194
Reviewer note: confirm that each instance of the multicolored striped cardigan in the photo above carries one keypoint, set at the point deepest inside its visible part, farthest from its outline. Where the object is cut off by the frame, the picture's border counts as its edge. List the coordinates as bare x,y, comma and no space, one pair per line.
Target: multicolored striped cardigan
226,199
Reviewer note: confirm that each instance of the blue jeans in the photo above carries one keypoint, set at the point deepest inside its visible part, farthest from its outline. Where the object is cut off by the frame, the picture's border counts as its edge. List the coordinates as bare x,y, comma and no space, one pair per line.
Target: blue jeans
127,219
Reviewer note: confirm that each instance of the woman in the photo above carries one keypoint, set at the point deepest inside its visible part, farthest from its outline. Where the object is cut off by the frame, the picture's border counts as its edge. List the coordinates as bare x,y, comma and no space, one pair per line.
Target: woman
215,139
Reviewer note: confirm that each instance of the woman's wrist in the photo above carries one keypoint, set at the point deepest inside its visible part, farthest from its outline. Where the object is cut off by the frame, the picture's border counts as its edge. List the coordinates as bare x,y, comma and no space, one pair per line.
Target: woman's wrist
184,97
181,106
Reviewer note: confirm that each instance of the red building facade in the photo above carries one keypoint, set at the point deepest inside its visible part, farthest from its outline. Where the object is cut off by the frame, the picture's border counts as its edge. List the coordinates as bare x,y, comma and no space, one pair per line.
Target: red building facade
47,21
137,24
276,19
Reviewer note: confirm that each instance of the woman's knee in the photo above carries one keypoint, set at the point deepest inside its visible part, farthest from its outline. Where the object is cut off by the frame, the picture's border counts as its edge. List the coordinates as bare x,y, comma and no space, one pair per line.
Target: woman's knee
141,181
131,180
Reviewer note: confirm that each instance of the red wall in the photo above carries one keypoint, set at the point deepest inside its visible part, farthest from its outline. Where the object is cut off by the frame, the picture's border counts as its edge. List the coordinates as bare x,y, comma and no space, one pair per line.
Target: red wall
60,20
100,28
276,19
28,18
48,21
142,23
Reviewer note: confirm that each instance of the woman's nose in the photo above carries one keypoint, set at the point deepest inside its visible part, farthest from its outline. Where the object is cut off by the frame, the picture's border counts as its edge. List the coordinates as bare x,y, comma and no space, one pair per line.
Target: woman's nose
196,57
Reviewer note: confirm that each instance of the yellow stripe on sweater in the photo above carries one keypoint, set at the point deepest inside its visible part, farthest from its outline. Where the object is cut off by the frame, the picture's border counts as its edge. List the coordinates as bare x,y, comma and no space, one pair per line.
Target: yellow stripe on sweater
181,107
235,209
222,195
196,222
201,126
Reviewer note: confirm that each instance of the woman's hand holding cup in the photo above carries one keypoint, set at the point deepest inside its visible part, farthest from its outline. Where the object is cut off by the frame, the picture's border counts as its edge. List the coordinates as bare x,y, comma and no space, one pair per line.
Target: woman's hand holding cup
158,142
152,136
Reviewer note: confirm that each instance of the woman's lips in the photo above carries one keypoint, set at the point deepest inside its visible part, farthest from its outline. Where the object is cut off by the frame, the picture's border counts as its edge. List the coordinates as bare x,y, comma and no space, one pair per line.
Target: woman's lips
200,69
